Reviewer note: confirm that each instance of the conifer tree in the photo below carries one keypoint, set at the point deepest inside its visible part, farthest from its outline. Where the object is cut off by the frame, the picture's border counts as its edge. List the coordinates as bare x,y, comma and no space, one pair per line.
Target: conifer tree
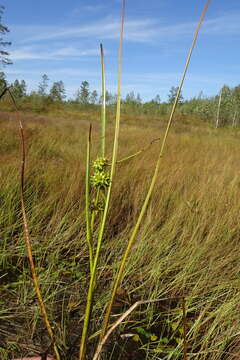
4,55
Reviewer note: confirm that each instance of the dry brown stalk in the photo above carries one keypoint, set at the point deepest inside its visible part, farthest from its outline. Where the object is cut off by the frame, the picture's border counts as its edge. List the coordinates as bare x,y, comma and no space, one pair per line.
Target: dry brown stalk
120,320
26,229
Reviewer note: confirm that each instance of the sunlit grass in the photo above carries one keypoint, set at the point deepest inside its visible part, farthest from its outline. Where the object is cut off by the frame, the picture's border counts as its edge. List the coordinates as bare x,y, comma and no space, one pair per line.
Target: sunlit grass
197,225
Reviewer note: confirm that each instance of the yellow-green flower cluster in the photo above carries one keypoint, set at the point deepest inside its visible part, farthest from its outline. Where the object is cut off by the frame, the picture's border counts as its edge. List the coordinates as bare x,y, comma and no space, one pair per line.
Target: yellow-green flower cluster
100,164
100,178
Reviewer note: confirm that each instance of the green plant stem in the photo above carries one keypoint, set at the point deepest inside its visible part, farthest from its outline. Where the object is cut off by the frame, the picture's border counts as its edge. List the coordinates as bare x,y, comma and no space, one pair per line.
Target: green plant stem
138,152
130,156
88,310
94,213
103,109
87,204
120,272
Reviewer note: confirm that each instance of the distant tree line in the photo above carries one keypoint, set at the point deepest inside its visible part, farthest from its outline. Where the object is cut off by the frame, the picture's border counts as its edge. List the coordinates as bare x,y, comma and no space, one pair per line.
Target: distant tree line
83,96
223,108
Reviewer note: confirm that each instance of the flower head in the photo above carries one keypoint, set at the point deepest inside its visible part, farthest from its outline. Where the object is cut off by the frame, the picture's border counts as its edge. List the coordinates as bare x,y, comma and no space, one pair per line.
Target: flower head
100,179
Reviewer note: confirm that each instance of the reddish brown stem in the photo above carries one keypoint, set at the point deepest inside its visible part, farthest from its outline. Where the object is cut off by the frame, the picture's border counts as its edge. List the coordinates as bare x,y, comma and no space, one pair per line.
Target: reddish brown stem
26,228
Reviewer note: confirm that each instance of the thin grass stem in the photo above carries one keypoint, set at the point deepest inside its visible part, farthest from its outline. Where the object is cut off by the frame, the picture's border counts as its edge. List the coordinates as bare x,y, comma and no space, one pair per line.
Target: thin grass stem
103,109
82,352
185,347
120,272
27,234
94,213
138,152
87,203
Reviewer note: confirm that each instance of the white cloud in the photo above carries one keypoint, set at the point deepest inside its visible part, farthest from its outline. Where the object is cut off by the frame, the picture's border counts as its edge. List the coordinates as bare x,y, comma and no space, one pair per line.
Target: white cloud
227,24
66,72
94,8
136,30
87,8
31,53
81,42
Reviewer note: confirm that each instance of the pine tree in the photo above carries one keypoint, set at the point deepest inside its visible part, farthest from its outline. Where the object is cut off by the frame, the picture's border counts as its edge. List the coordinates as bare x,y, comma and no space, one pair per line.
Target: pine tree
157,99
43,85
23,87
130,98
93,99
172,95
57,92
138,99
19,88
3,81
83,93
109,98
4,55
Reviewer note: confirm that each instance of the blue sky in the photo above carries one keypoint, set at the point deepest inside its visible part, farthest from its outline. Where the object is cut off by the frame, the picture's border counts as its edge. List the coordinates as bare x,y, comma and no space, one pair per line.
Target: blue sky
61,38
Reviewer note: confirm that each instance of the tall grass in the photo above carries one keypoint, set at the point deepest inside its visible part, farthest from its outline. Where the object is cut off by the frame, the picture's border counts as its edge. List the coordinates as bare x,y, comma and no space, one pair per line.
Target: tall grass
120,273
107,201
94,259
27,232
197,225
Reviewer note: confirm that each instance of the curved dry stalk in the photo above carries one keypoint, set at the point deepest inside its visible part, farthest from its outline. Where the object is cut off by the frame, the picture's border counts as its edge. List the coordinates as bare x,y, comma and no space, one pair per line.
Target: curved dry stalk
138,152
120,320
27,234
120,272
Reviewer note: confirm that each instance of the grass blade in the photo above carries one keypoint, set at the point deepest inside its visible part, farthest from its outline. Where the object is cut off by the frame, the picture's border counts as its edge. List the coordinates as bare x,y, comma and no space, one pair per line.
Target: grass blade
119,275
87,204
82,353
103,109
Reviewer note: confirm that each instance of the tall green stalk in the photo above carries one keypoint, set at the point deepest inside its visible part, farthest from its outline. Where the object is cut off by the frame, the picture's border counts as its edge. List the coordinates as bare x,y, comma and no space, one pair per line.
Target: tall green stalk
87,202
94,213
103,110
120,272
103,129
82,353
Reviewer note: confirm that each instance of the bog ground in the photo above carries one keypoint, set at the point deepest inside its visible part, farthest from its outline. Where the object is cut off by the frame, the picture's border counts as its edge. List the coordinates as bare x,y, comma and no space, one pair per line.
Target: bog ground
188,244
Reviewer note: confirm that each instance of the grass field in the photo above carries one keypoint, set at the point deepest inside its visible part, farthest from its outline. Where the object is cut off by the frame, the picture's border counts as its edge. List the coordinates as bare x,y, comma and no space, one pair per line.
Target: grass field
188,244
